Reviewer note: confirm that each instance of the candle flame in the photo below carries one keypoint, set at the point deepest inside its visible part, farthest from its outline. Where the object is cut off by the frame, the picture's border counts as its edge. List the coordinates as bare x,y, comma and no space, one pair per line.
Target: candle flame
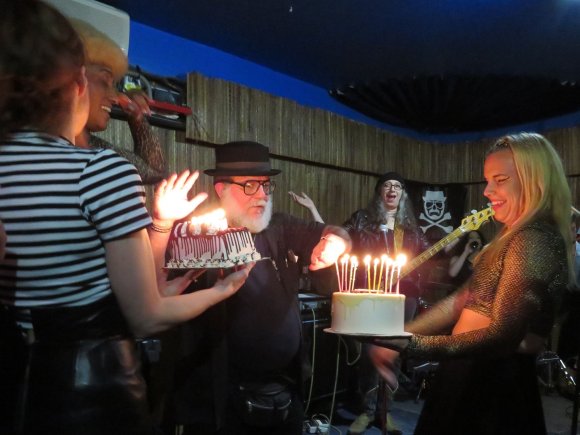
215,220
401,260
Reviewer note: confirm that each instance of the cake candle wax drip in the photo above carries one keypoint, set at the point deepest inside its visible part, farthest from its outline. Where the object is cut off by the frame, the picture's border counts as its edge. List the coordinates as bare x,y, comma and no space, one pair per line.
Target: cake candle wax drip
343,273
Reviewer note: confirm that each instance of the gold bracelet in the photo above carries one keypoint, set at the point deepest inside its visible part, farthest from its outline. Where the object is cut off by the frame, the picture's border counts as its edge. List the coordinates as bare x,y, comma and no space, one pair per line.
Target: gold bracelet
159,229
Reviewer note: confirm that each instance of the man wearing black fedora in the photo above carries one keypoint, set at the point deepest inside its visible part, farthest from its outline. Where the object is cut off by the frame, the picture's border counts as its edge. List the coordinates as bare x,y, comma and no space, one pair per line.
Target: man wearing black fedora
251,379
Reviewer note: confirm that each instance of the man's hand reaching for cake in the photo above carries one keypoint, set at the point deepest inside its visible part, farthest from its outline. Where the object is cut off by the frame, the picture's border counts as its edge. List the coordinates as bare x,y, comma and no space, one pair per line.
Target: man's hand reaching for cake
331,246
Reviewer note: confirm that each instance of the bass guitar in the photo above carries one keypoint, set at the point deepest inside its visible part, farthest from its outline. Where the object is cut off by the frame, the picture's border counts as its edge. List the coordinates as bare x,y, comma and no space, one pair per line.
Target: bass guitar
469,223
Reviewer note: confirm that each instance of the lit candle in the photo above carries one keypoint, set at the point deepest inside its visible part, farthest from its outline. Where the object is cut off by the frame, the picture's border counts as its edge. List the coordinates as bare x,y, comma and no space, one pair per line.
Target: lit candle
367,262
383,263
353,268
401,260
214,221
376,262
344,271
389,263
393,267
338,276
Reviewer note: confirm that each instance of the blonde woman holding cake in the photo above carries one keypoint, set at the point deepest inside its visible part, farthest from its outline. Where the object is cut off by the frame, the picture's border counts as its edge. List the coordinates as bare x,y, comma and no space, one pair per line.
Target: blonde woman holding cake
488,333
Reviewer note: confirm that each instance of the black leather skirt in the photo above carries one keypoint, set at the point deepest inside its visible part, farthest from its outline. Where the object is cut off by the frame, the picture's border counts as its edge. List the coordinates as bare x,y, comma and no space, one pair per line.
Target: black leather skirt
84,374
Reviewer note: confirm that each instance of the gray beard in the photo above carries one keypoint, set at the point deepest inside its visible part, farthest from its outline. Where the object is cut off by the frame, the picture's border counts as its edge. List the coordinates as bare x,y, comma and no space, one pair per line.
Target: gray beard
238,219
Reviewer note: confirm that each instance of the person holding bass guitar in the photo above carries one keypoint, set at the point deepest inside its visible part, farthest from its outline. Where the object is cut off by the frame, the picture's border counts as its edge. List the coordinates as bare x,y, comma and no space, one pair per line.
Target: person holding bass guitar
386,226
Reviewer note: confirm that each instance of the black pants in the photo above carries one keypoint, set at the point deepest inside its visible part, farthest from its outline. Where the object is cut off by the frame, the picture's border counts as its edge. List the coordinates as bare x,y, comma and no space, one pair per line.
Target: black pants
92,387
13,360
484,397
81,376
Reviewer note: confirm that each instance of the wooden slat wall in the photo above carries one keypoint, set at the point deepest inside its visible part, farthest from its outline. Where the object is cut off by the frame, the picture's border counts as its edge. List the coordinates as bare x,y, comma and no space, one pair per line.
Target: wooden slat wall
333,159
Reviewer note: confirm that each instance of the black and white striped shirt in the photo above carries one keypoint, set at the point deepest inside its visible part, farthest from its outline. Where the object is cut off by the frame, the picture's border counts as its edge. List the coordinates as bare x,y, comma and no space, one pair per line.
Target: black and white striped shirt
59,205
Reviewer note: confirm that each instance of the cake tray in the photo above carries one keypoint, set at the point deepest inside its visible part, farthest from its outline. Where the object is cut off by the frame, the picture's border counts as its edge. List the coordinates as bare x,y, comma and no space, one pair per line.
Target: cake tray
211,266
368,336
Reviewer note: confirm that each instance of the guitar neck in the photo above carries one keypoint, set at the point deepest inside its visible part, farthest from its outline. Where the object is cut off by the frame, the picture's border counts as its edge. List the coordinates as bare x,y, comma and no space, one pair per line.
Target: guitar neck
426,255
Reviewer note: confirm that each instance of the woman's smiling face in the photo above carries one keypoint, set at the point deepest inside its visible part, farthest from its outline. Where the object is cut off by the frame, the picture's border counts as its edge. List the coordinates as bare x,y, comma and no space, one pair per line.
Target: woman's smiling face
503,186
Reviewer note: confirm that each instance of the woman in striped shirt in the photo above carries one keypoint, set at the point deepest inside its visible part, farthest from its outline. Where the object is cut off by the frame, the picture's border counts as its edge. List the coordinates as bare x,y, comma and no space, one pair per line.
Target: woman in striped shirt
78,255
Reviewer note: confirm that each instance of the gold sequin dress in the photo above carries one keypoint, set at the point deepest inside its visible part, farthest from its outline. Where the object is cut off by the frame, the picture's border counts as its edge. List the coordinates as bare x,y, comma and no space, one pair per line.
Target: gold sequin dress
483,385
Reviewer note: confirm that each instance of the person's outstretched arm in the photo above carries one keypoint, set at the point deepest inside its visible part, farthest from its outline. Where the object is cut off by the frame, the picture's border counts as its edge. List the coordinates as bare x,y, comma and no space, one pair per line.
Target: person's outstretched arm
131,271
305,201
147,155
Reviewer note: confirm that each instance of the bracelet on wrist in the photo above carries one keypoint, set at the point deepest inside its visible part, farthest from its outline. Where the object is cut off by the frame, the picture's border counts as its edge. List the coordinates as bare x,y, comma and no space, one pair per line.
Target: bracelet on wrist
160,229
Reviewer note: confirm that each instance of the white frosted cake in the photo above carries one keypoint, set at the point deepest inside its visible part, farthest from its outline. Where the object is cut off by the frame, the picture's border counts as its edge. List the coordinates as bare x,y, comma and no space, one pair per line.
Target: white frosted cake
368,313
199,246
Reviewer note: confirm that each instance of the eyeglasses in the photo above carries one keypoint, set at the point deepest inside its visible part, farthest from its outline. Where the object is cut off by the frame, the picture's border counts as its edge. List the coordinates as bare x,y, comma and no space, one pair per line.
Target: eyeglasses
252,186
395,187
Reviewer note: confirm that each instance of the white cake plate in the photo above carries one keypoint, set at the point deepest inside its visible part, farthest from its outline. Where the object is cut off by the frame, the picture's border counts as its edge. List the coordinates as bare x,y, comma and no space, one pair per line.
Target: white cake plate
351,334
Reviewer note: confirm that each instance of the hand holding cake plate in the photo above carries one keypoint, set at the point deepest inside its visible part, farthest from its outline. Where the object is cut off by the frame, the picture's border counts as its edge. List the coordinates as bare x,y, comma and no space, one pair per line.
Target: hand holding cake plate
397,343
374,338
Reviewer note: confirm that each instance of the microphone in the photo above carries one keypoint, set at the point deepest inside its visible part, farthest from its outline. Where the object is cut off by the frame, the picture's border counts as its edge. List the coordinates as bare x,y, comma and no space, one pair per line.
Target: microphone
384,229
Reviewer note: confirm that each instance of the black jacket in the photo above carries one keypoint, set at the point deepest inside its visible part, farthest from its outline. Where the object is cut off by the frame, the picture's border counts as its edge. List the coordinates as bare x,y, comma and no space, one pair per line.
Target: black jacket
206,369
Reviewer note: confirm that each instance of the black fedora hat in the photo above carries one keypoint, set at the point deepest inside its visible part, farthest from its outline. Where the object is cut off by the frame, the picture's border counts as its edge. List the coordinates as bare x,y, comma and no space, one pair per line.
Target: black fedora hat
242,158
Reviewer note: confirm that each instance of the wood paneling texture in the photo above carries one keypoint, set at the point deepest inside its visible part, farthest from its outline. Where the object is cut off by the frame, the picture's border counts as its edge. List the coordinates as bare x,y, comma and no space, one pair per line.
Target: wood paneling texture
333,159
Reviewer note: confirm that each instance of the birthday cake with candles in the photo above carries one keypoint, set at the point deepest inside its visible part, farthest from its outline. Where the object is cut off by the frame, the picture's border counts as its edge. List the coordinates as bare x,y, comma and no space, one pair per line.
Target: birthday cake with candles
376,311
206,242
364,312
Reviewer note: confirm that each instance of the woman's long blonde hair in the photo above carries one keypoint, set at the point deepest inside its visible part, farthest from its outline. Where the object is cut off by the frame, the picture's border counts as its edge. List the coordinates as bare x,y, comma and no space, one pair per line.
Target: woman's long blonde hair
545,190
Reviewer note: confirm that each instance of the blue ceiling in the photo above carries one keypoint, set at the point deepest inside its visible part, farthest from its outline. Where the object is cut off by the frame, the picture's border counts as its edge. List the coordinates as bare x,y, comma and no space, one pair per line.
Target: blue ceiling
356,44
